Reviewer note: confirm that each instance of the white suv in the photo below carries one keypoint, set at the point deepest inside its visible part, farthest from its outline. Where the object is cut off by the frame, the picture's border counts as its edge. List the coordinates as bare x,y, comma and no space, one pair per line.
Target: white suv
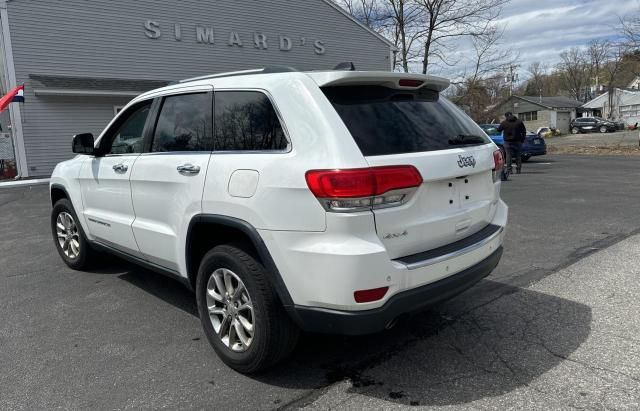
330,202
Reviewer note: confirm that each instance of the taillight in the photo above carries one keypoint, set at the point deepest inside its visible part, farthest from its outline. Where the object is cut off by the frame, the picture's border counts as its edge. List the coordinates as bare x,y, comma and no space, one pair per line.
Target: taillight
363,188
498,164
367,296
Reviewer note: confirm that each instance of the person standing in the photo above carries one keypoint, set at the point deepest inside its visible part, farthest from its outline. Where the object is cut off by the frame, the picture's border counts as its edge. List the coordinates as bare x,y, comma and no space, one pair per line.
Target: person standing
514,133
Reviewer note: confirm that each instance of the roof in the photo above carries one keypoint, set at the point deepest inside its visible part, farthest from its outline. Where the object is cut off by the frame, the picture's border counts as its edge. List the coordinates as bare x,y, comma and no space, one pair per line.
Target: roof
623,98
552,102
91,86
285,80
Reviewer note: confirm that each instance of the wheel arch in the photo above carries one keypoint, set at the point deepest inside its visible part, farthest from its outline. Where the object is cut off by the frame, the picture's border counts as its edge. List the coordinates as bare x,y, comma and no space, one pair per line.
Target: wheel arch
57,192
206,231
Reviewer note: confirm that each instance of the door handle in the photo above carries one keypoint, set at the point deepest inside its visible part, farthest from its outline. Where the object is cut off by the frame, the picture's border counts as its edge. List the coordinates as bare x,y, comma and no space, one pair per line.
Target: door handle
188,169
120,168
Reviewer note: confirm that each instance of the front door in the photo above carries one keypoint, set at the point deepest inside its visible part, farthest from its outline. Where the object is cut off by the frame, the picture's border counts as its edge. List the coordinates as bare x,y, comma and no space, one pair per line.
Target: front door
167,180
104,181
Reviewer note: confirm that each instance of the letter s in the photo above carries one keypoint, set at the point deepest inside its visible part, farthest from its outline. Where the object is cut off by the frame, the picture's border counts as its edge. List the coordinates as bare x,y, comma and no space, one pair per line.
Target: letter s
319,47
152,29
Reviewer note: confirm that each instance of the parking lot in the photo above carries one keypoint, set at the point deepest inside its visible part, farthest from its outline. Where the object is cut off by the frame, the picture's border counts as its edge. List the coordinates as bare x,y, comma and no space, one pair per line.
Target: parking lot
557,325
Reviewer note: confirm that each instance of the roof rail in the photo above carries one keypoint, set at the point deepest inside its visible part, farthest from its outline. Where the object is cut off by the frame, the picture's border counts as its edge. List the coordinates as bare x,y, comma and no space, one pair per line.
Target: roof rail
264,70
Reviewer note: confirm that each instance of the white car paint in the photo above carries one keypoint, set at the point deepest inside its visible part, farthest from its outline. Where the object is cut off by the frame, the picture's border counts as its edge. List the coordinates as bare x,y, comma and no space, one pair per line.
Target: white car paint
322,256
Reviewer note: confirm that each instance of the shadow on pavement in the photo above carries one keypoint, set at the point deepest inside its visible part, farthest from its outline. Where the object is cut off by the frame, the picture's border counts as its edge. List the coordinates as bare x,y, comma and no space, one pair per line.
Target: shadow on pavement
451,355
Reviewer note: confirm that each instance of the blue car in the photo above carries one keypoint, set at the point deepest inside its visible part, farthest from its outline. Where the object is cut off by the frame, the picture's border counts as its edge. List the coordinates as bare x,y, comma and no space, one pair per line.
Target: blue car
533,145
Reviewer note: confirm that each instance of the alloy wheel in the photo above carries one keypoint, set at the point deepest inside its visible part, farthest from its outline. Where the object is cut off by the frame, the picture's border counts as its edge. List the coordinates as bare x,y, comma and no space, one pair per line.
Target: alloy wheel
68,235
230,310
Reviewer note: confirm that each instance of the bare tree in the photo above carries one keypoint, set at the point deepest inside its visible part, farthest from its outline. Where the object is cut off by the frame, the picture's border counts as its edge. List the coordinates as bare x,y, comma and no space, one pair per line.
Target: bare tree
487,62
597,54
401,19
614,58
573,70
630,29
538,72
449,19
366,11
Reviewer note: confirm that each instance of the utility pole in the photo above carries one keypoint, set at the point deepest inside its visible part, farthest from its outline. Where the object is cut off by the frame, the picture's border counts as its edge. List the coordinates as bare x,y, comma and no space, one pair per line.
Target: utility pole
511,77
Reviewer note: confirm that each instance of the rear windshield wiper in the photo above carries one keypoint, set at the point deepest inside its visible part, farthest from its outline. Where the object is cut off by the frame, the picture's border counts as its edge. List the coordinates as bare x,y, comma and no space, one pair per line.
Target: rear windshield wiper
466,139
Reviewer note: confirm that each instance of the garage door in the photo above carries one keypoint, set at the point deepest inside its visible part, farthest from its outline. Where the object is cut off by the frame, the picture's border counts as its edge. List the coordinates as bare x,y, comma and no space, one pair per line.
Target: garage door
563,120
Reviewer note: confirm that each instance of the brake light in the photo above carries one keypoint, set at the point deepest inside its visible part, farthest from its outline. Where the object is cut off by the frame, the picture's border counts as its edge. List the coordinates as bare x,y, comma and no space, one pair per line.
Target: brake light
367,296
361,188
498,164
410,83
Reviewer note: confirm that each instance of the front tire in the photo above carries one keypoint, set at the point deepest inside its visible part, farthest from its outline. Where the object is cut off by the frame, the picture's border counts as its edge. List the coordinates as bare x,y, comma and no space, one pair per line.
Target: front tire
526,157
69,237
575,130
240,312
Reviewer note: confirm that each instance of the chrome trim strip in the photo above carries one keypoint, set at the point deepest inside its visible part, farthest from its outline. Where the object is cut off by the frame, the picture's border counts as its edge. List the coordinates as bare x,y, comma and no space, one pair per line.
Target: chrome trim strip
454,254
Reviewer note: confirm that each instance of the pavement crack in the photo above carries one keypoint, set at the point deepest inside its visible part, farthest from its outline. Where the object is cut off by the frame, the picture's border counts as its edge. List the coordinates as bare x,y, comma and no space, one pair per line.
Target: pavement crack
589,366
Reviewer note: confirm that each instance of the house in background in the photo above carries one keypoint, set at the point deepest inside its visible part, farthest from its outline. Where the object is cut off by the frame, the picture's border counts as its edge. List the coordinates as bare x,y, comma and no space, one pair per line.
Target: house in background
536,112
621,104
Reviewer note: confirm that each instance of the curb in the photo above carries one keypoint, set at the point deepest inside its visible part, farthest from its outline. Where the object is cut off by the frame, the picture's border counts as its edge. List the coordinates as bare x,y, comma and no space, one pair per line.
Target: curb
23,183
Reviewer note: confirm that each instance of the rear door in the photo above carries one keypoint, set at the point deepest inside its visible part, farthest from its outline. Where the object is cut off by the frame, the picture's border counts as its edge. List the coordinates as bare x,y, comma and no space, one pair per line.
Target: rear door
451,152
168,178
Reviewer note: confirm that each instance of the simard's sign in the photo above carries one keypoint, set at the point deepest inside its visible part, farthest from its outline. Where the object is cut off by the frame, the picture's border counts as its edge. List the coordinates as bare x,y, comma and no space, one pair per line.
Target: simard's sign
207,35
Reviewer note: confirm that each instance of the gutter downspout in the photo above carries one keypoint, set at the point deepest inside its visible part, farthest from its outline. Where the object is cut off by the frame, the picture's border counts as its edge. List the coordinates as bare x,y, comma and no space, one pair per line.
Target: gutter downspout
10,75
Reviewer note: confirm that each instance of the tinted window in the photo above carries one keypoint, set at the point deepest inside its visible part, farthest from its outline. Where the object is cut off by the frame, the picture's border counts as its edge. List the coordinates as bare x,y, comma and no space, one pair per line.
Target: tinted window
386,121
246,120
128,137
184,124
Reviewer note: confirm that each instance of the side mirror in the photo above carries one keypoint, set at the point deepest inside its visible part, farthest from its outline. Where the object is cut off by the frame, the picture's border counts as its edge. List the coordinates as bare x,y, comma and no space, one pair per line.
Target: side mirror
83,144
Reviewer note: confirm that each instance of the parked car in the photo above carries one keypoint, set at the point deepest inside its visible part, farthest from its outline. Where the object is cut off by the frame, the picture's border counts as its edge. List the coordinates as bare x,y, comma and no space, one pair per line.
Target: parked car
589,124
533,145
325,201
544,132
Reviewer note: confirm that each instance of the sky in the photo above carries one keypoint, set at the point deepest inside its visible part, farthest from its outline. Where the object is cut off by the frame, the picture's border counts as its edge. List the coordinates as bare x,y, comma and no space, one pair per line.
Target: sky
539,30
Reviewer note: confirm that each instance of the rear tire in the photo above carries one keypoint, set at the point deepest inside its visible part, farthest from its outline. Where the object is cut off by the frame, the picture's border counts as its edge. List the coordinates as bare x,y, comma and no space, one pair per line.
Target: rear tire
526,157
242,318
69,237
603,129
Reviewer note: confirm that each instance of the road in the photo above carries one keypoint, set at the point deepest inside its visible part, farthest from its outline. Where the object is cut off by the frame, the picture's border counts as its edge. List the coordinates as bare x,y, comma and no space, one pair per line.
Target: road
122,337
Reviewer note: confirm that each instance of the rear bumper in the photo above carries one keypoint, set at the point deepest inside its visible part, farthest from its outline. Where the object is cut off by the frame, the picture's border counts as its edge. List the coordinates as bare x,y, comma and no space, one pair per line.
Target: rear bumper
329,321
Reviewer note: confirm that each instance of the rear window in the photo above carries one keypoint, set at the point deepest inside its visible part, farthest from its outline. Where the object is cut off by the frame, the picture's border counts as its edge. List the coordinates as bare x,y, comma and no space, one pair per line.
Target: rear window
386,121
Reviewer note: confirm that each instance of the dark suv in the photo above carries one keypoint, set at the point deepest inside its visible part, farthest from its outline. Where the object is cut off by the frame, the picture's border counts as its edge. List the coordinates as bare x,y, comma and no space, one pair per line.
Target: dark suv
588,124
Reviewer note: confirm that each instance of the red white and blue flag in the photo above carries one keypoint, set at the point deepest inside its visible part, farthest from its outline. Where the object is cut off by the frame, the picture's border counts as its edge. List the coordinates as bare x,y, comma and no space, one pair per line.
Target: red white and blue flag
15,95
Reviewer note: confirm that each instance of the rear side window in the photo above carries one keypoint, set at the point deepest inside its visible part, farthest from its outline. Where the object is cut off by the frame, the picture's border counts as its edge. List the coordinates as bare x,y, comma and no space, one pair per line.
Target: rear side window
184,124
385,121
247,121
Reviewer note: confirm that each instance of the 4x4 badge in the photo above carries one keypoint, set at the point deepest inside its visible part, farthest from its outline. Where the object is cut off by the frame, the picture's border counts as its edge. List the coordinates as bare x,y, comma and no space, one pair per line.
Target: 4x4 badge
466,161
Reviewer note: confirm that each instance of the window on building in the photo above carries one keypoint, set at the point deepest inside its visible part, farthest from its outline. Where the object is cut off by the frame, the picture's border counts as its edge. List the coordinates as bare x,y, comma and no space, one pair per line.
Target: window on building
127,136
247,121
529,116
184,124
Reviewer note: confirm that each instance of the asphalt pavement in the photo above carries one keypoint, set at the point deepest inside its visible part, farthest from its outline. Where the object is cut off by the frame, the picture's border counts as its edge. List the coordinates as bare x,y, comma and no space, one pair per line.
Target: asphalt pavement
555,326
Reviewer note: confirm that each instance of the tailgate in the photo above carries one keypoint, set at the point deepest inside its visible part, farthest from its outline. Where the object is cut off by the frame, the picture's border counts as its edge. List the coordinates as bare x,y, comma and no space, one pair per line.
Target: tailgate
454,201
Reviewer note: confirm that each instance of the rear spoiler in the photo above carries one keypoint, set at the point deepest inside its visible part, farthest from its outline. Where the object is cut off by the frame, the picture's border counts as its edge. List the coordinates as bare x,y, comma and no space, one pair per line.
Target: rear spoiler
378,78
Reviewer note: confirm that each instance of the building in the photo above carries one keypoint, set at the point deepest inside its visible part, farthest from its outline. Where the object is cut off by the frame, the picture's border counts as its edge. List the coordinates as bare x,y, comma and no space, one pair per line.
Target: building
536,112
623,106
81,61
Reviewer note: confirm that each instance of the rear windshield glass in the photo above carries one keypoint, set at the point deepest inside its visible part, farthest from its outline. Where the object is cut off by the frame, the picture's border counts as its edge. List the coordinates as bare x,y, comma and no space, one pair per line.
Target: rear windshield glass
387,121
